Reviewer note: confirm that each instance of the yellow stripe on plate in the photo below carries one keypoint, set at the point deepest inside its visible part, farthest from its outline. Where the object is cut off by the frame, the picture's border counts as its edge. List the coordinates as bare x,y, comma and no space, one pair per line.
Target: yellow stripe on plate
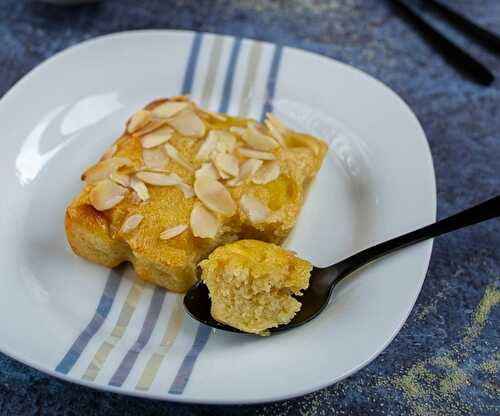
153,365
107,346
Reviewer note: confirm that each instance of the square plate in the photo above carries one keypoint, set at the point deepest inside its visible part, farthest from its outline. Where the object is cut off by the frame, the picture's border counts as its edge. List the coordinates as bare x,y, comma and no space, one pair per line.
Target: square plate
84,323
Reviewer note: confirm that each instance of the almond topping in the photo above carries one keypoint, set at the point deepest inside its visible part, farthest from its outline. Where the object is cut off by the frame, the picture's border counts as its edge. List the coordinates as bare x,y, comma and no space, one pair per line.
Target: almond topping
106,194
140,188
268,172
109,153
214,196
131,223
207,169
158,179
204,224
258,140
188,123
207,147
277,124
169,109
154,125
139,120
155,158
237,130
255,154
177,157
187,190
276,134
227,163
295,138
255,210
217,141
120,179
225,142
173,232
222,174
103,169
247,169
156,138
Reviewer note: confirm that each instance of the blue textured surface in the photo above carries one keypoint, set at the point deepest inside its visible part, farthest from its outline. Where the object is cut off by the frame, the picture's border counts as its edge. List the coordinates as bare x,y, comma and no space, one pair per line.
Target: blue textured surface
446,360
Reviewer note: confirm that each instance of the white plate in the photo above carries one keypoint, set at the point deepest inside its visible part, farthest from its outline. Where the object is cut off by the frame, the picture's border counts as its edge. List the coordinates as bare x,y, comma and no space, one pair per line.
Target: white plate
75,320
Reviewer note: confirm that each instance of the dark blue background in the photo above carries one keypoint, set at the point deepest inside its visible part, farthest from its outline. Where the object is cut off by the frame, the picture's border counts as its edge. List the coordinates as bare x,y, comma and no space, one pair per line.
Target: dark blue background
446,359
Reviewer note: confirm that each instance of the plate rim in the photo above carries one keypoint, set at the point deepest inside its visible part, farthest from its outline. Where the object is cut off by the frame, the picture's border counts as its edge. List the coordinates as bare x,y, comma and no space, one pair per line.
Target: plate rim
185,398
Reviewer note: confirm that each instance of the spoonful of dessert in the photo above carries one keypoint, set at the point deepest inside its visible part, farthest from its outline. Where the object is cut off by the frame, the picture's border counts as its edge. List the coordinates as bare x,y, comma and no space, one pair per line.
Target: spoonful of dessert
256,287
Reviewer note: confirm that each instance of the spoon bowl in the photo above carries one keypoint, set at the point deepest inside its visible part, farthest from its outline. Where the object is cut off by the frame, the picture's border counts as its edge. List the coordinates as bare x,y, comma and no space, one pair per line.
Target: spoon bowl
323,280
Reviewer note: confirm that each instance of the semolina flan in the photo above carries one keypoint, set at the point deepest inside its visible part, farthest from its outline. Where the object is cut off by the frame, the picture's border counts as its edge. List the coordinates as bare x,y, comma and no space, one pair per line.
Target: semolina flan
253,285
181,181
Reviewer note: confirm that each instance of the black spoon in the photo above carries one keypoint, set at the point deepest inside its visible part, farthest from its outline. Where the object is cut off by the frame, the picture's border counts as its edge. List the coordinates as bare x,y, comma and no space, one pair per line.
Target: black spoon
323,280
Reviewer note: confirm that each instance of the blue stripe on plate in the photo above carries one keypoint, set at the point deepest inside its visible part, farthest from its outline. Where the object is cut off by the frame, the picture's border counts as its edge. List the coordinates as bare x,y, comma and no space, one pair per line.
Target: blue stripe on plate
130,358
187,84
102,311
182,376
271,80
203,333
228,81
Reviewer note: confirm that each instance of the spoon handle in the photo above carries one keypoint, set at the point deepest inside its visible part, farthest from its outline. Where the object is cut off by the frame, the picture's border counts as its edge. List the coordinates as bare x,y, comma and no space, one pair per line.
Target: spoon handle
478,213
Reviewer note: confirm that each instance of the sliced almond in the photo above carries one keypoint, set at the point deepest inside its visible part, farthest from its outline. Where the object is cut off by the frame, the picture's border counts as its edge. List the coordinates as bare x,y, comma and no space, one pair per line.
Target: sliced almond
109,153
207,169
103,169
277,123
177,157
222,174
225,141
207,147
169,109
268,172
106,194
214,196
258,140
295,138
120,179
237,130
158,179
155,158
255,210
140,188
173,232
255,154
139,120
217,141
247,169
131,223
186,189
204,224
275,133
156,137
227,163
150,127
188,123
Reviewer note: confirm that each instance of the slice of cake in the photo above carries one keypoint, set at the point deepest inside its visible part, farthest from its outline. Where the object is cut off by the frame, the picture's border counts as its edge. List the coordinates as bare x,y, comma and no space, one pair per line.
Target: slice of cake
252,285
181,181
